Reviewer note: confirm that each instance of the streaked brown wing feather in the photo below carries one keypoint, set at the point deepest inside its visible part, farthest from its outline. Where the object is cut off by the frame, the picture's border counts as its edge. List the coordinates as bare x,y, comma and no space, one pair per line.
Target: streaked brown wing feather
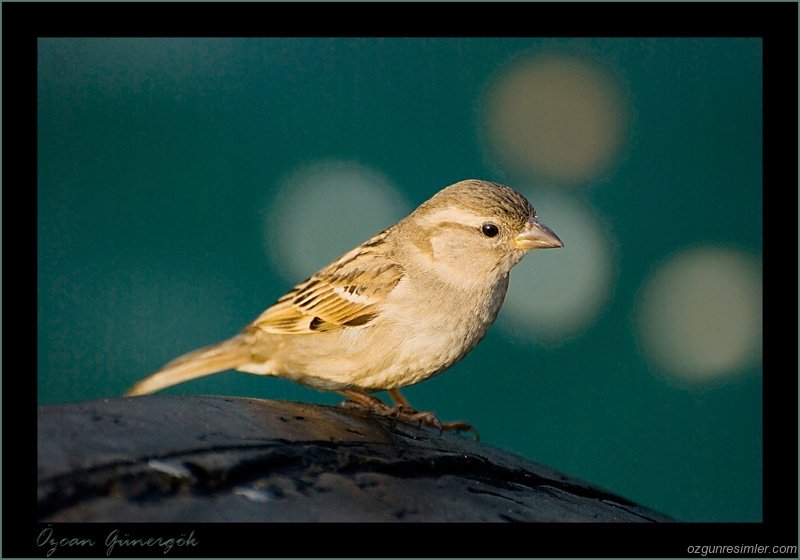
344,294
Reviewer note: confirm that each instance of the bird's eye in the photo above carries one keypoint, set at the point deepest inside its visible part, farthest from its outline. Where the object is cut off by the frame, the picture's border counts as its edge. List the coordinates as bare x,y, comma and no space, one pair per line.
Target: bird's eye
489,229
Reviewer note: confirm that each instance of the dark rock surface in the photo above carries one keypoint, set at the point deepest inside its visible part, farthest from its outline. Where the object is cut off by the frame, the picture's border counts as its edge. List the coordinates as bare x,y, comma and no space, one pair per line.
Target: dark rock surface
217,459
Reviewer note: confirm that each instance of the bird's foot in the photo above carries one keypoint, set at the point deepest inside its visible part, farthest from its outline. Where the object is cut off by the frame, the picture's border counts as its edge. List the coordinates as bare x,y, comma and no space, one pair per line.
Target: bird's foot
370,404
408,415
429,419
459,426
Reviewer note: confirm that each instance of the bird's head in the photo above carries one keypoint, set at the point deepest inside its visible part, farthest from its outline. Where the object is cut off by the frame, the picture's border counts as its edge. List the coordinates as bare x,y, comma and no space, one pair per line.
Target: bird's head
475,227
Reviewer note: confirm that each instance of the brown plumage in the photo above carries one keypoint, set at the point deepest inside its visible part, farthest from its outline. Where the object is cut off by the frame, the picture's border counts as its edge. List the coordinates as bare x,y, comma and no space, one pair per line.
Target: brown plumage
399,308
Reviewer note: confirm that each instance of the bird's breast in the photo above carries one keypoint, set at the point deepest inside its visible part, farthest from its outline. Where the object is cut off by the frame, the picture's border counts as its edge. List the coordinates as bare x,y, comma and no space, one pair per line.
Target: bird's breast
433,333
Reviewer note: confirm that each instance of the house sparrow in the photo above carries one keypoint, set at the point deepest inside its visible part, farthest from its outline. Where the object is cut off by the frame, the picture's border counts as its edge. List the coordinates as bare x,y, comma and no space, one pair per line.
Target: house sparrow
399,308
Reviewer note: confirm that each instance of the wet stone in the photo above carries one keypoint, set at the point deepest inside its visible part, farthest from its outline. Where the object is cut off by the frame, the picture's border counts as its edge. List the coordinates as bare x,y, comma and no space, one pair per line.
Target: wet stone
222,459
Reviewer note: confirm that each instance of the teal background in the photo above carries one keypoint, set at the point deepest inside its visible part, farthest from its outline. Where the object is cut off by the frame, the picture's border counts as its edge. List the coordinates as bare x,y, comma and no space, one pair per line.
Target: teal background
159,160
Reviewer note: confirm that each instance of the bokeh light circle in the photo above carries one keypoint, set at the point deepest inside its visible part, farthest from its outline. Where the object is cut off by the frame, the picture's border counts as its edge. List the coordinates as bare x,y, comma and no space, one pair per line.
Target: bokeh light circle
555,293
325,209
557,117
699,313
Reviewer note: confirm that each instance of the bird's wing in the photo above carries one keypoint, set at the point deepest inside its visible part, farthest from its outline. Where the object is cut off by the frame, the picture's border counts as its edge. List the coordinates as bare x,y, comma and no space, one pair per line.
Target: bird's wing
344,294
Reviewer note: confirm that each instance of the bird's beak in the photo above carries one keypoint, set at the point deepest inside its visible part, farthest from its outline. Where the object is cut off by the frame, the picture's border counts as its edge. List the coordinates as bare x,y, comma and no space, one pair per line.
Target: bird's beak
536,235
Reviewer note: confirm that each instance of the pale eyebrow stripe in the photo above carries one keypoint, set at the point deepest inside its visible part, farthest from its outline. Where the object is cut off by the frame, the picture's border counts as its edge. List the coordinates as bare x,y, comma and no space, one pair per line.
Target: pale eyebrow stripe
458,215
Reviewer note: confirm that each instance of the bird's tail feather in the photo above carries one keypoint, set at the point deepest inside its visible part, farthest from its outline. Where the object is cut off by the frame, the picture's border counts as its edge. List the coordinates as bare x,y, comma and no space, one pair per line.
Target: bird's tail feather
199,363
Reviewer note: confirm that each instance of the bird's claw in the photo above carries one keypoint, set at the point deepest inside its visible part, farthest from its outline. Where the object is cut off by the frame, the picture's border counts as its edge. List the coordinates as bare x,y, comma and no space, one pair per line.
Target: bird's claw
411,416
430,420
462,427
